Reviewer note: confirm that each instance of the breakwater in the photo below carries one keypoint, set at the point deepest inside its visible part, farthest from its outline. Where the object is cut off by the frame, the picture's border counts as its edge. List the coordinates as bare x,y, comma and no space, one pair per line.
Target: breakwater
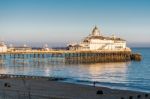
69,57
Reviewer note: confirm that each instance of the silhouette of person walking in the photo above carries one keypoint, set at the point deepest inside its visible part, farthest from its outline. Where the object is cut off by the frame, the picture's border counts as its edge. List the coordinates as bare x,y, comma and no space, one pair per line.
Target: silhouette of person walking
94,83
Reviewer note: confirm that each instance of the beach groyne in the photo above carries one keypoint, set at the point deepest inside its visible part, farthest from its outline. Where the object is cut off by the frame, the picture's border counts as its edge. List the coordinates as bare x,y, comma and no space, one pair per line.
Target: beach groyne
69,57
5,76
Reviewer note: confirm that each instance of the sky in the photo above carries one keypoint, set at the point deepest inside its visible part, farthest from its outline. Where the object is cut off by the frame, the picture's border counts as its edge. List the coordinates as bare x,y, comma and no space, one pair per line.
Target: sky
59,22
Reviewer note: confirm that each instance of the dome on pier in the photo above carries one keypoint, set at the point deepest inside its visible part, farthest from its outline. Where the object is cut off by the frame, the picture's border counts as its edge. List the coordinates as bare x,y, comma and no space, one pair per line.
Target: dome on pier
95,31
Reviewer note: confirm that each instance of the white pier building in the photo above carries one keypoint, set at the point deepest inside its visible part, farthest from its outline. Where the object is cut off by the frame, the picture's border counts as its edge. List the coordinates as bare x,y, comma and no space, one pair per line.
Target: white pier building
96,41
3,47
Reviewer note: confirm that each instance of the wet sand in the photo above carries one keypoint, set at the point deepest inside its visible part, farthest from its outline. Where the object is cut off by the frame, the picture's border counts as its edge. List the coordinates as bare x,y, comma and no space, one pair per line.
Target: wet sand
42,88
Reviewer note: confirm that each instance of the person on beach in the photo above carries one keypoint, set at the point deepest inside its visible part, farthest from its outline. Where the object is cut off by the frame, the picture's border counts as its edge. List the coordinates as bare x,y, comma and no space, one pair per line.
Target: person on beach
94,83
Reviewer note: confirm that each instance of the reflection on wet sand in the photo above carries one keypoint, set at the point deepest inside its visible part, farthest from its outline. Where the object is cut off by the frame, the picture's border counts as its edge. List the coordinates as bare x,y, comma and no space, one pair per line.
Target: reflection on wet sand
2,70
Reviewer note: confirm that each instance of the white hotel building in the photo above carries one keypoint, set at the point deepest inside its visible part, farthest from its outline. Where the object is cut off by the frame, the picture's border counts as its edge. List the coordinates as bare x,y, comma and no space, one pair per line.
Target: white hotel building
96,41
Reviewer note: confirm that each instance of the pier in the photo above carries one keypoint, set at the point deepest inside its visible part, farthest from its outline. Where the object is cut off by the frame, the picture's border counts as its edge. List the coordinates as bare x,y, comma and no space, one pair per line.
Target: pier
69,57
94,48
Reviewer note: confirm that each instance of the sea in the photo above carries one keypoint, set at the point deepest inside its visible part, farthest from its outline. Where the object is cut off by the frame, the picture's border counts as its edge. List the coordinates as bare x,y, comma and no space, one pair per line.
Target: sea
133,75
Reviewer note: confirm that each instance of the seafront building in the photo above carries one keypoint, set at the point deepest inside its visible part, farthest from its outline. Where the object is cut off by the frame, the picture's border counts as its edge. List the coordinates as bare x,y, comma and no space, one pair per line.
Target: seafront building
96,41
26,48
3,47
19,48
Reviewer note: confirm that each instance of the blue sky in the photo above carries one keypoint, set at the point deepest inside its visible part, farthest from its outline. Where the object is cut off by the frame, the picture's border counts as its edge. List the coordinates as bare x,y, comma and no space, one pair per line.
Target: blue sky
36,22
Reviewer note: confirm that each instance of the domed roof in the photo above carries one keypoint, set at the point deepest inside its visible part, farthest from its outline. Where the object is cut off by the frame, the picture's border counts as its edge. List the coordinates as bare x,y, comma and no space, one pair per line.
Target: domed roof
95,31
